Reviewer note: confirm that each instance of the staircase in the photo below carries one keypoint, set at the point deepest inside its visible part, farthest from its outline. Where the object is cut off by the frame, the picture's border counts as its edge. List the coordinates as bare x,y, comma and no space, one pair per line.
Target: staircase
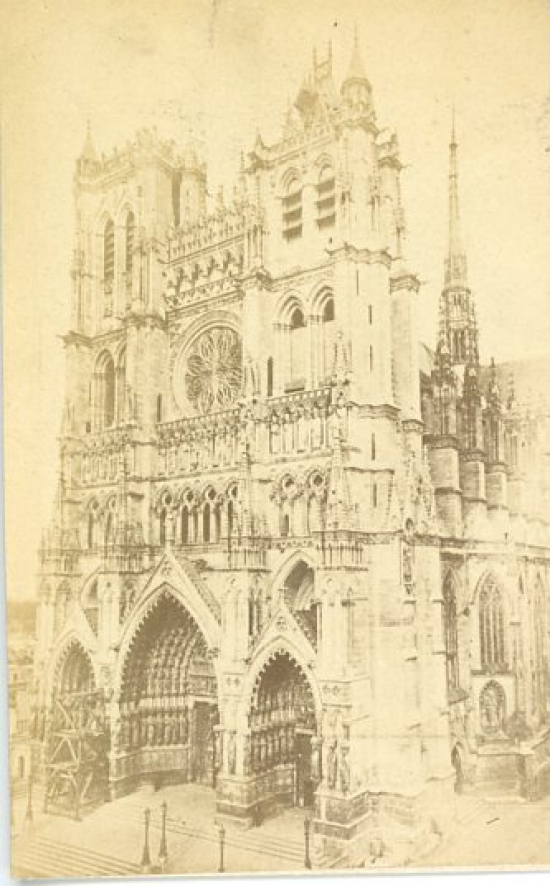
37,857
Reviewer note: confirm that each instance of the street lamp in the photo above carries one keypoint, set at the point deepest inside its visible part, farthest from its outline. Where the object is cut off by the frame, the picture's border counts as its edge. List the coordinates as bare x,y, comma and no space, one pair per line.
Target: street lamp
146,856
163,851
29,812
221,834
307,830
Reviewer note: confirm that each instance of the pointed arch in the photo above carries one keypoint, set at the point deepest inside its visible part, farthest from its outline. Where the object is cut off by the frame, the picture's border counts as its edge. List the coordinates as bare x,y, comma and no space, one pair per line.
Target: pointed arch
287,564
323,308
105,390
272,647
69,639
129,238
450,630
120,382
184,592
286,305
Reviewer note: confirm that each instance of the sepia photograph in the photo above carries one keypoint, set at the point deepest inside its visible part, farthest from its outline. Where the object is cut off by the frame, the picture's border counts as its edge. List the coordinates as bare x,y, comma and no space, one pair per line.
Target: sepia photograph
277,436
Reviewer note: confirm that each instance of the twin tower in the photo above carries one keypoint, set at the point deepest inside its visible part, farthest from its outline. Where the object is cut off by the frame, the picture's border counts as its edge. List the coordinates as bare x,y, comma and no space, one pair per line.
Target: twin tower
266,557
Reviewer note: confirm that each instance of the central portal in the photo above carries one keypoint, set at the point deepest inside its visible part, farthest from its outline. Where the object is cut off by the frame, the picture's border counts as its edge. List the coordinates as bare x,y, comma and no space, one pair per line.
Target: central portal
282,727
168,703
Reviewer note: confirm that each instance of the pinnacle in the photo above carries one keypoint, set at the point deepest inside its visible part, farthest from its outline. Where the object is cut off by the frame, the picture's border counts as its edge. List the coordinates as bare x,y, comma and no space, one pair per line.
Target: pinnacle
356,70
88,151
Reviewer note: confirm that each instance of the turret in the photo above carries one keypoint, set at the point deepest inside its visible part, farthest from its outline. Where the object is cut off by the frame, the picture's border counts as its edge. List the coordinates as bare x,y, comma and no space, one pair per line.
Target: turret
497,474
192,188
443,442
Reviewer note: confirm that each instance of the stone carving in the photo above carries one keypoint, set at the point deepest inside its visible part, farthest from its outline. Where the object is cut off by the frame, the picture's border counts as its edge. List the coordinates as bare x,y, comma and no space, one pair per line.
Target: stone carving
343,769
232,753
332,766
213,371
316,758
492,705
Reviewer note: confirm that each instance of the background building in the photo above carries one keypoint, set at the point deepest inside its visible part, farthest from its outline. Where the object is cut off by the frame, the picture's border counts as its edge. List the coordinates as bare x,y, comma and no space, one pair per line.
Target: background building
289,558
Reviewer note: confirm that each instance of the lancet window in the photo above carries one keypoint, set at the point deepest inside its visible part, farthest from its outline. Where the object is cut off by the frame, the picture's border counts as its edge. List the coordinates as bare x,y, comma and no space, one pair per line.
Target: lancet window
292,210
450,625
108,265
492,637
298,351
326,199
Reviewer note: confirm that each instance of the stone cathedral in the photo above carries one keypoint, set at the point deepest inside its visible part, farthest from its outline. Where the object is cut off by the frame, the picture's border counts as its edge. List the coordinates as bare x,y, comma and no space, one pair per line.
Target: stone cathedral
295,556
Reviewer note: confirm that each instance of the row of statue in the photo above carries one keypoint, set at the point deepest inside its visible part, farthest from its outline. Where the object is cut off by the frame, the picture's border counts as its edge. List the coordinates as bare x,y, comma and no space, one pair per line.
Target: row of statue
220,447
298,432
215,447
276,745
163,728
99,467
270,747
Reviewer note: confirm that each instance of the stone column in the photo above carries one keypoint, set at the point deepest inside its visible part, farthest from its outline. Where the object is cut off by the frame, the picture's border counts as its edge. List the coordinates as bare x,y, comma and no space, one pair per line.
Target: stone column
279,368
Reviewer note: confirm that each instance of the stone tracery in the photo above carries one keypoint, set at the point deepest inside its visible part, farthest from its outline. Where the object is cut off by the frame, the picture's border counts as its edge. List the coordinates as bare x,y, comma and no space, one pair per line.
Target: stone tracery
214,370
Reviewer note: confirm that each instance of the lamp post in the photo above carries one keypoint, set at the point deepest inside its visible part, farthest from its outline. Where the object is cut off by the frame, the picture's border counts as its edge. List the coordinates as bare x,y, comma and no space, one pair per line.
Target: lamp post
163,851
307,831
29,813
146,856
221,834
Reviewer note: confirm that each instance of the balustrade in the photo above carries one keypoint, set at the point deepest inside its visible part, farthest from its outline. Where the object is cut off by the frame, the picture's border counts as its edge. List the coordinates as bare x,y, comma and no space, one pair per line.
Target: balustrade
103,456
209,231
293,424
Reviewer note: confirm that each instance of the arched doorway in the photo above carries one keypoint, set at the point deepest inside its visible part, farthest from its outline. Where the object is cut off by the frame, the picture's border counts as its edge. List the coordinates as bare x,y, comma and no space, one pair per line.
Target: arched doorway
168,701
76,737
282,726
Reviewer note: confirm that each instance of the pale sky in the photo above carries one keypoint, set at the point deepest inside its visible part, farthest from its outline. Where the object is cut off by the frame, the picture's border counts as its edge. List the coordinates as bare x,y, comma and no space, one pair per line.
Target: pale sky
221,70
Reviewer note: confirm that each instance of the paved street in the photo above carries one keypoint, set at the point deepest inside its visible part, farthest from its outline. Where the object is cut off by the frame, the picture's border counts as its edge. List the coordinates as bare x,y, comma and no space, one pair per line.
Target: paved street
110,839
504,832
501,832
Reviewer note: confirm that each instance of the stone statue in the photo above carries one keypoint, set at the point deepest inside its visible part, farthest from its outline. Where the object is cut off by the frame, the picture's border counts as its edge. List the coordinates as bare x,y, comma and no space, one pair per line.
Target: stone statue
332,766
491,706
246,756
343,769
316,429
232,753
274,435
316,773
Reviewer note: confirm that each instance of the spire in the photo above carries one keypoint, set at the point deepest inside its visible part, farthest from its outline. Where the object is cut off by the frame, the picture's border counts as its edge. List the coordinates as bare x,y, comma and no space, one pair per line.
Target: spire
356,70
88,151
356,89
455,266
457,317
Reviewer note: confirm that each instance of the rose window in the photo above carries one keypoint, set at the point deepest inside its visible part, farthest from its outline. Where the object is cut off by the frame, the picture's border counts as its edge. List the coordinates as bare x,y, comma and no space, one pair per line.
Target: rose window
214,369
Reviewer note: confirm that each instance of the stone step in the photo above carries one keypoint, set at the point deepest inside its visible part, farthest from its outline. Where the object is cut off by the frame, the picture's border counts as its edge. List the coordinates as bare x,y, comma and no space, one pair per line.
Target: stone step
39,857
285,846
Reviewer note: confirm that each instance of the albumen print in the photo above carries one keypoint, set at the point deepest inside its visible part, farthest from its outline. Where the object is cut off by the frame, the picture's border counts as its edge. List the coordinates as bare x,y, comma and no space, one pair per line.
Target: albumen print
277,373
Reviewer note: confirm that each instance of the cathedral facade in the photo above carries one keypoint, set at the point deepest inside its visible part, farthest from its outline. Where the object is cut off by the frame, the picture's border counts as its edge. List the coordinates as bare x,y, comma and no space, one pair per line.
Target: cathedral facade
294,556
